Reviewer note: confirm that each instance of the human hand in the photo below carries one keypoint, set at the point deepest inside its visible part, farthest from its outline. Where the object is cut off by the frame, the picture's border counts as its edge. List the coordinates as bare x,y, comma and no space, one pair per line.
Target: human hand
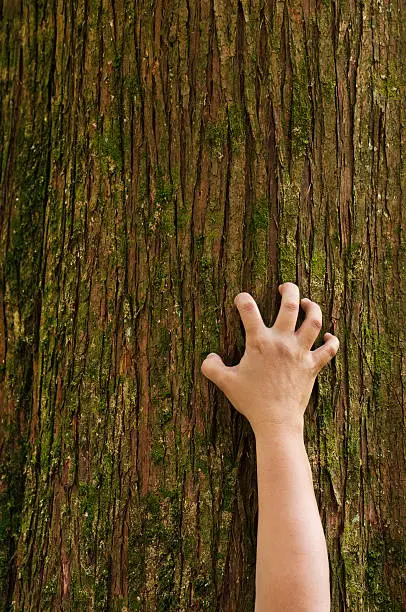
273,382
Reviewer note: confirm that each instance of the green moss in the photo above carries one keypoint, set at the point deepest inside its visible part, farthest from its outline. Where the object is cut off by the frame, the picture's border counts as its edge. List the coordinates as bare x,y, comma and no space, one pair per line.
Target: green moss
287,260
162,217
198,241
48,593
205,269
353,260
382,357
328,87
260,214
165,412
381,370
354,570
318,264
88,497
236,125
388,84
110,145
377,590
22,272
209,336
158,453
167,599
208,332
164,196
23,256
389,258
201,463
151,503
214,221
258,228
353,463
164,188
366,332
117,61
335,237
137,551
287,247
203,590
229,489
175,503
260,265
216,136
165,341
11,499
156,523
301,110
160,277
100,590
333,462
325,407
182,217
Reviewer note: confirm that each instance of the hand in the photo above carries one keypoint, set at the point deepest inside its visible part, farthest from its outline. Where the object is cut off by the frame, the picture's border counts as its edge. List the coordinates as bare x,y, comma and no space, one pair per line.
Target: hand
273,382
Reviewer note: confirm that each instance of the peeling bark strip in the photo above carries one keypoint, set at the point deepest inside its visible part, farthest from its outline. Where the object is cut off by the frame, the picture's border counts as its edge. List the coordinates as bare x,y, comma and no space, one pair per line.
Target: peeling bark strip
156,159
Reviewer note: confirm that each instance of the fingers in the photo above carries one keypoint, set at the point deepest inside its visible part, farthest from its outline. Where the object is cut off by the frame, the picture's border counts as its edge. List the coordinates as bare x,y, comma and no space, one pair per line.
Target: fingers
326,352
250,315
311,326
215,370
287,317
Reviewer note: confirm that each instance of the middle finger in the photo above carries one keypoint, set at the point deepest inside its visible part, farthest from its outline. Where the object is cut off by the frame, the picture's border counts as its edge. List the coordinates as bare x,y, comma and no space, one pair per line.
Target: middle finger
289,309
311,326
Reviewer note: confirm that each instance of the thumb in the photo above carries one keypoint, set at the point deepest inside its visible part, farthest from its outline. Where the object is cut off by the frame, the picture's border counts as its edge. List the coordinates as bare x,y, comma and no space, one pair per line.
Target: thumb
215,370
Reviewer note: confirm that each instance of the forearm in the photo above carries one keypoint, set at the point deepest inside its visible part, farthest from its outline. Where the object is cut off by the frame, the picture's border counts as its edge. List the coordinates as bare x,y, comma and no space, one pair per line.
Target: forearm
292,571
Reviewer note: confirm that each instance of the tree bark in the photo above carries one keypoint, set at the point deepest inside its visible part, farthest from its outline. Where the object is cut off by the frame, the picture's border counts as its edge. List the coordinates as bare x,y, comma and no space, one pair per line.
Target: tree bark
156,159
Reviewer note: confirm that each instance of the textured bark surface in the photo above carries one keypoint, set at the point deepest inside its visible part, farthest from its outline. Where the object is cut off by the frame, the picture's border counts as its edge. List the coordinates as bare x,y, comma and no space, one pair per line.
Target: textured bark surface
157,158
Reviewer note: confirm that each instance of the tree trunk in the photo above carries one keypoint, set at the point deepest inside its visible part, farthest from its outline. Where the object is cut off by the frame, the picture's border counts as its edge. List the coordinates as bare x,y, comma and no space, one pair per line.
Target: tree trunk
156,160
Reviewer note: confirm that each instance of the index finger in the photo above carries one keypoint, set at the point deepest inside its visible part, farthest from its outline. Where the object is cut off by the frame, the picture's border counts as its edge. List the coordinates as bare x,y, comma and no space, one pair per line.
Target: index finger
249,313
289,310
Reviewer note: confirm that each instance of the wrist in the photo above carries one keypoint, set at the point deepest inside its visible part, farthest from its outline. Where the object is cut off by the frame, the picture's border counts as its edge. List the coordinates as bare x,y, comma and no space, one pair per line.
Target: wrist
269,429
274,441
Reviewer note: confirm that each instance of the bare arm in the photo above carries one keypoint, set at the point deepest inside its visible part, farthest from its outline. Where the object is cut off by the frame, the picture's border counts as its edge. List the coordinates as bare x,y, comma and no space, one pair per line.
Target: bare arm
272,386
292,572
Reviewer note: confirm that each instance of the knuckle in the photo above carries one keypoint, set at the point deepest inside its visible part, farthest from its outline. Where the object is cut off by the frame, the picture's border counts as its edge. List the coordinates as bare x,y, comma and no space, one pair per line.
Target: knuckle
224,379
291,306
332,350
248,305
316,316
312,366
283,348
260,342
318,309
317,324
316,369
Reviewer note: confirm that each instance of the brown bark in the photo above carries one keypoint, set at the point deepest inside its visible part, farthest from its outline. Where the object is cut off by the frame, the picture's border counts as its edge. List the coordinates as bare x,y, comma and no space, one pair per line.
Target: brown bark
157,159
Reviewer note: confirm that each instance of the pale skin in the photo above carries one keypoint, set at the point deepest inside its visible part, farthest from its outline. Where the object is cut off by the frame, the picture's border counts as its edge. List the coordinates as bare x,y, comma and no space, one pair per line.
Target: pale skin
271,387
